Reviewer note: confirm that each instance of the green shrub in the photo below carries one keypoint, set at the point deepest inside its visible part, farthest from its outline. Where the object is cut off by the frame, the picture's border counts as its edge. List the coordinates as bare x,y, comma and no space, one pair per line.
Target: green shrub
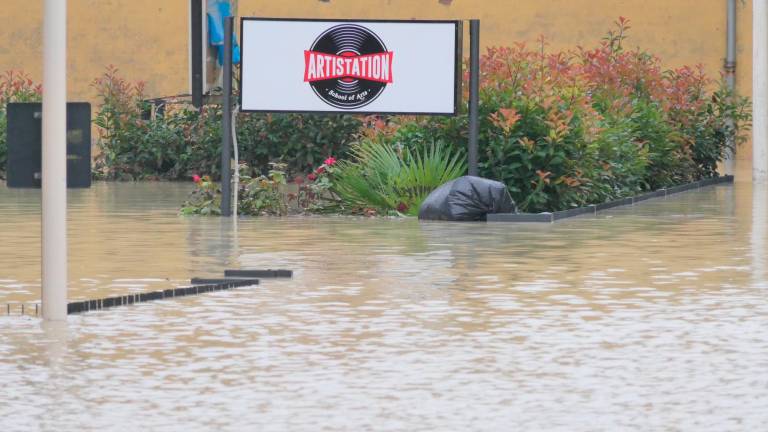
129,147
300,141
184,141
205,199
623,161
258,195
561,130
585,126
717,128
262,194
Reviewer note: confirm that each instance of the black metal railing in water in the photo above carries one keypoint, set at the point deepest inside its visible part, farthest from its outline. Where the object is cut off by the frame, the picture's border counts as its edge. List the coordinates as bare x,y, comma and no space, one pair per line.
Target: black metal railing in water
232,279
21,309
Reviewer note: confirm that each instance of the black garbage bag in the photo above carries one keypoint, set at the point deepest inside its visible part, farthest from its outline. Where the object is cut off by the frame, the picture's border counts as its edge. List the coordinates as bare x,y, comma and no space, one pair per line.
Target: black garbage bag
467,199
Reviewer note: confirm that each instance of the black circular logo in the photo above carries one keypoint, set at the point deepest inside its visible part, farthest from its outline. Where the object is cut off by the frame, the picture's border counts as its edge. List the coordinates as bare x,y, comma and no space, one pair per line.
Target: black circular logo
348,66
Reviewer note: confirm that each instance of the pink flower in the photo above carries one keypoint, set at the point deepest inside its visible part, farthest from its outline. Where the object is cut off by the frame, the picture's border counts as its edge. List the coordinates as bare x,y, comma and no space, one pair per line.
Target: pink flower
312,177
330,161
320,170
402,208
196,178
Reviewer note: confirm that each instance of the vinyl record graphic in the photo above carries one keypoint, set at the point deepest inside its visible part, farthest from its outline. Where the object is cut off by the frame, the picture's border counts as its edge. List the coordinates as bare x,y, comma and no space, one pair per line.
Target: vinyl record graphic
348,66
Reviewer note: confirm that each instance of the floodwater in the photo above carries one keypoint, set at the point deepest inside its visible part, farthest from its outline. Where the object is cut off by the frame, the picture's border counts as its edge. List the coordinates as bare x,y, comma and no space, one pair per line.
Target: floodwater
649,318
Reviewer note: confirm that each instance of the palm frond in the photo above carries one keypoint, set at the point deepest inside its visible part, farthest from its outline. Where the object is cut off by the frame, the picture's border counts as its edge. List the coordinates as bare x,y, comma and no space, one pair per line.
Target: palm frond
380,177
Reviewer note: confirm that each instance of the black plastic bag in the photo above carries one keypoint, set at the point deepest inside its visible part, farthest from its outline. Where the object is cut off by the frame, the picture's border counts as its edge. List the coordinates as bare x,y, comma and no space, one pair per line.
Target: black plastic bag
467,199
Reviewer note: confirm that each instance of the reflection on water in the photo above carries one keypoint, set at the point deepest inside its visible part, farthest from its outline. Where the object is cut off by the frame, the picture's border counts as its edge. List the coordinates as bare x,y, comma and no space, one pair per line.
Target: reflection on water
645,318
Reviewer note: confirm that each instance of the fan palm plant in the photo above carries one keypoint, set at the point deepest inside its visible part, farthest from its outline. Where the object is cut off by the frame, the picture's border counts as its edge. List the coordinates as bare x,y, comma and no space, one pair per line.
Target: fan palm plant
394,179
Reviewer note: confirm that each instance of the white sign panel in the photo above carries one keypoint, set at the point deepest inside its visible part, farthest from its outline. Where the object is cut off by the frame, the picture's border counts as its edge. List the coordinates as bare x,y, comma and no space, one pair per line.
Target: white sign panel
393,67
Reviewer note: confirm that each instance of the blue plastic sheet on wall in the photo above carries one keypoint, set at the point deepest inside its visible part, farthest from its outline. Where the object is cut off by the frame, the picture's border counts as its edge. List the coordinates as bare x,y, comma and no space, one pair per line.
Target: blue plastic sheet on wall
218,11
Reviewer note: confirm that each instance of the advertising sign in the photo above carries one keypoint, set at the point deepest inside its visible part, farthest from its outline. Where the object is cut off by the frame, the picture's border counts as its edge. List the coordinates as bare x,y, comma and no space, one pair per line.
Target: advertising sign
383,67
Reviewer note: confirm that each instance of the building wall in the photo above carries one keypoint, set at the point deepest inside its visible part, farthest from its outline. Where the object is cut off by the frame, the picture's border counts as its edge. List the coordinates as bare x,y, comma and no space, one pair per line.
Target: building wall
147,39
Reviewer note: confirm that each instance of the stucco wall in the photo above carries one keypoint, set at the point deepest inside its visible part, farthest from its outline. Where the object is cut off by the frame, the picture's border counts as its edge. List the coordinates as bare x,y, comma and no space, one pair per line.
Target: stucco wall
147,39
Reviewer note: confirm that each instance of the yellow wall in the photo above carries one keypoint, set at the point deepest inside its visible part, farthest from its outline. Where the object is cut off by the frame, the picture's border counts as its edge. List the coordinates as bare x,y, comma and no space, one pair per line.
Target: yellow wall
149,42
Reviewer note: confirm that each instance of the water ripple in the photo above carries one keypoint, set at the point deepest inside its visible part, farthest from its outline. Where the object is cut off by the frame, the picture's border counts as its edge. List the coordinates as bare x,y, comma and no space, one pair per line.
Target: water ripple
645,318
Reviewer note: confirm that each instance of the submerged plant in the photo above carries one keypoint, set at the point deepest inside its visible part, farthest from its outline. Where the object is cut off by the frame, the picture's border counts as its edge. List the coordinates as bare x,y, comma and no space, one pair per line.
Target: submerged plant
205,199
258,195
394,179
315,195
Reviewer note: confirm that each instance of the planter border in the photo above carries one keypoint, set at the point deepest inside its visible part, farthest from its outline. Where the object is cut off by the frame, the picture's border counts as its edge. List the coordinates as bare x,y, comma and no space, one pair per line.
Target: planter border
232,279
258,273
593,209
109,302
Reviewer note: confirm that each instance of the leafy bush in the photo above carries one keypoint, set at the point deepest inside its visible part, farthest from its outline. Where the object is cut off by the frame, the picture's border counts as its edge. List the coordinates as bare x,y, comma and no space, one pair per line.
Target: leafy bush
301,141
316,195
258,195
205,199
585,126
183,141
262,195
561,129
378,180
174,145
14,87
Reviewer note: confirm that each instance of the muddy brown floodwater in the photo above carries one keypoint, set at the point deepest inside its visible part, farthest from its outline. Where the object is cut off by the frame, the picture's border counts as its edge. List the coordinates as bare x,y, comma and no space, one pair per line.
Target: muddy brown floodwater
653,317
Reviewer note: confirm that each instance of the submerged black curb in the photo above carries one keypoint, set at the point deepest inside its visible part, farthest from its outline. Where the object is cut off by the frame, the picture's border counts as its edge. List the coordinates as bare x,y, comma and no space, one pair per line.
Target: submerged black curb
109,302
595,208
258,273
207,281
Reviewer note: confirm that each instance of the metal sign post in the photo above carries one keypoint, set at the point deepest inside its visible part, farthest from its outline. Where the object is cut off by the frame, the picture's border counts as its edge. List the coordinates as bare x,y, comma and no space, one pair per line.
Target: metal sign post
54,162
474,93
196,51
226,123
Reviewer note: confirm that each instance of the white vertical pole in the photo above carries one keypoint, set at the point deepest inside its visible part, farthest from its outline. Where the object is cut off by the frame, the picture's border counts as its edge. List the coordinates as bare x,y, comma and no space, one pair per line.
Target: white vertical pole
759,233
54,163
760,91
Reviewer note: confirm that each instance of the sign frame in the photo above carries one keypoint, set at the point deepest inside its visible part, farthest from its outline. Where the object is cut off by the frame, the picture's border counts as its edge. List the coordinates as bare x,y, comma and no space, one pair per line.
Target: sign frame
458,58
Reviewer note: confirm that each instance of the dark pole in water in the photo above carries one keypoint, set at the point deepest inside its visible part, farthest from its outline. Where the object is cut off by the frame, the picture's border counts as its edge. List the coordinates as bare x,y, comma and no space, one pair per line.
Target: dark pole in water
474,92
226,123
196,33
